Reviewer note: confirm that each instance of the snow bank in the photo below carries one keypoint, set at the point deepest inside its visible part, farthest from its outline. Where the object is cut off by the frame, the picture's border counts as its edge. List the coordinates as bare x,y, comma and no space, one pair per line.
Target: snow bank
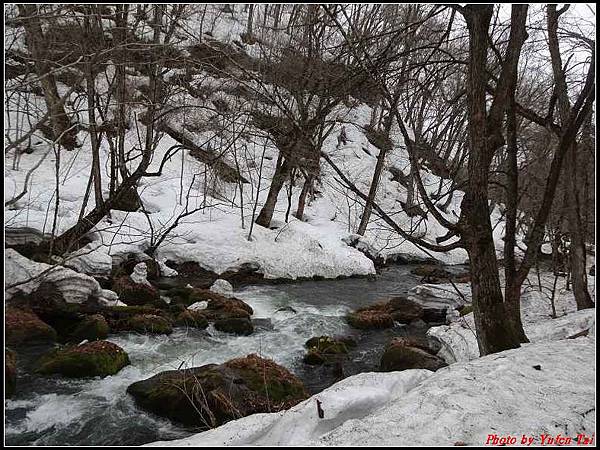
92,259
75,287
418,407
459,342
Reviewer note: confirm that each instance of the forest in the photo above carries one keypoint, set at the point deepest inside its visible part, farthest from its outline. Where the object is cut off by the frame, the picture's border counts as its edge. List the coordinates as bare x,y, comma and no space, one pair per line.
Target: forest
299,224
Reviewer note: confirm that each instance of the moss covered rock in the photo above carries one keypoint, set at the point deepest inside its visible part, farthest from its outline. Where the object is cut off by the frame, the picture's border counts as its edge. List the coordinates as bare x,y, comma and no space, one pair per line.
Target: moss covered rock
235,325
92,328
327,344
371,317
25,327
409,353
211,395
118,317
98,358
133,293
49,305
10,372
314,358
150,323
404,310
324,349
194,319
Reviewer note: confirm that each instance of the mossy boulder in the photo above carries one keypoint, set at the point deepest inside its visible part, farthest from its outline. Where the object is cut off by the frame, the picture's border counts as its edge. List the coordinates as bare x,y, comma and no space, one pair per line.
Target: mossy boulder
10,372
327,344
49,305
118,317
25,327
150,323
236,325
220,307
430,271
314,358
132,293
98,358
211,395
194,319
404,310
409,353
322,349
371,317
92,328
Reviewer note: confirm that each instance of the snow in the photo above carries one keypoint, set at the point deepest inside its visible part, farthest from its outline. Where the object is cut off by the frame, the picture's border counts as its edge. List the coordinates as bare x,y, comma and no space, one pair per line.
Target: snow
140,274
419,407
215,236
25,275
459,342
92,259
222,287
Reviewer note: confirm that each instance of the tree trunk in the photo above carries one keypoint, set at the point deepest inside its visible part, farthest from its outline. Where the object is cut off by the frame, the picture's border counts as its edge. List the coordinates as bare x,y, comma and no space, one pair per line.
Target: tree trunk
37,45
250,26
577,253
306,188
281,173
366,215
495,331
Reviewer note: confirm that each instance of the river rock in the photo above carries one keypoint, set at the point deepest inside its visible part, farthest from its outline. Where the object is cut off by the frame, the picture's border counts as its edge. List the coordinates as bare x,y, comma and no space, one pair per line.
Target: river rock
220,307
371,317
23,237
409,353
25,327
435,300
150,323
133,293
211,395
404,310
191,318
236,325
98,358
92,328
166,271
10,372
323,349
49,304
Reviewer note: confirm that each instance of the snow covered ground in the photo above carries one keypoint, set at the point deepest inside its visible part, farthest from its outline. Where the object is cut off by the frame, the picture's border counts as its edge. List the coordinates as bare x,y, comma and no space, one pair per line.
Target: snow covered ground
215,236
460,343
503,394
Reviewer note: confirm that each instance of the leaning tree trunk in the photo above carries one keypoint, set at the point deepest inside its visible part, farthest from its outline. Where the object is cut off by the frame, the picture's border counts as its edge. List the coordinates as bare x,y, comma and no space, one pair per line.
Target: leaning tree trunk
281,173
306,188
62,129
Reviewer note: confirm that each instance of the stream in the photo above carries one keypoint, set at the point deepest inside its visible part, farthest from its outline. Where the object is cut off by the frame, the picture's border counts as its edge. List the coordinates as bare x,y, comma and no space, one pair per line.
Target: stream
60,411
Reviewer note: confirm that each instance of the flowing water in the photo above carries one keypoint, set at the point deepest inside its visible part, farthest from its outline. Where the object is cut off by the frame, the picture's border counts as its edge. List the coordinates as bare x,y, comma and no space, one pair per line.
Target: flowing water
59,411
